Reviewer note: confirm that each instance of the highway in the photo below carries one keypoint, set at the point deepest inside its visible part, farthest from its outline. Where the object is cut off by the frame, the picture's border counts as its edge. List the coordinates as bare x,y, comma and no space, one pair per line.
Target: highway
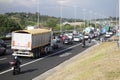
32,68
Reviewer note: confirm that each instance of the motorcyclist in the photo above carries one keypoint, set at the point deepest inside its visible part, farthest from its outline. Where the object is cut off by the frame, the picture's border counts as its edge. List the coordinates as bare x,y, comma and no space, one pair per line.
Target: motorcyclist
17,62
83,42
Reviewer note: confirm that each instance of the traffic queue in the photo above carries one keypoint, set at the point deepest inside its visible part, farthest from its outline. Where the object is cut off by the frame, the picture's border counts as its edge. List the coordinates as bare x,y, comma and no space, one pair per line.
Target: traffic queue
87,34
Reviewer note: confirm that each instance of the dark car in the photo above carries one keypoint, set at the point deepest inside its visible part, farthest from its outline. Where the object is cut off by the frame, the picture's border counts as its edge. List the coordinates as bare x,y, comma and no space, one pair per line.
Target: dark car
2,50
2,43
67,41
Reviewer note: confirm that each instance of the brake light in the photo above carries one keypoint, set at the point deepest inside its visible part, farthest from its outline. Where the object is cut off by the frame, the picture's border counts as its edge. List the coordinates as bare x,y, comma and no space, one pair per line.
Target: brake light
28,44
13,43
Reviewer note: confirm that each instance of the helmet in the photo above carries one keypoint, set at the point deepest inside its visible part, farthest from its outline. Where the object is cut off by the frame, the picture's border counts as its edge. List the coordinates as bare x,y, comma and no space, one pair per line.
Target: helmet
15,57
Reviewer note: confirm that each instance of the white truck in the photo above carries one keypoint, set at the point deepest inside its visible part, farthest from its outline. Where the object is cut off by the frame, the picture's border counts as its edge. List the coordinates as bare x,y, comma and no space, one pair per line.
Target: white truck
32,43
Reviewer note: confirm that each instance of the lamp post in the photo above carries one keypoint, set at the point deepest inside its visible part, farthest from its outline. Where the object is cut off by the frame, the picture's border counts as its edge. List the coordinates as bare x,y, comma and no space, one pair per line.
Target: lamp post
60,18
61,2
90,12
119,26
84,16
95,18
75,16
38,12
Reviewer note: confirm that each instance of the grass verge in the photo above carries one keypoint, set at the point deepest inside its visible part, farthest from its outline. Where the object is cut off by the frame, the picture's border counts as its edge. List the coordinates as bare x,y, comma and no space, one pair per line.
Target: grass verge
99,63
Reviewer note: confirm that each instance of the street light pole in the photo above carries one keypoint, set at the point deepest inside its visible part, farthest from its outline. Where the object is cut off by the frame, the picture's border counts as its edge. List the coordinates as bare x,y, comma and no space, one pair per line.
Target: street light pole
38,13
60,18
95,18
75,16
119,25
84,16
116,16
90,13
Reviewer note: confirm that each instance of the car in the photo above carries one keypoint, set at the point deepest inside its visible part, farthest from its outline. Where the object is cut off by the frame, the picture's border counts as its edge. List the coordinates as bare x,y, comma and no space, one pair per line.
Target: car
91,35
107,35
57,38
54,44
2,50
86,36
67,41
70,35
2,43
9,35
111,33
77,37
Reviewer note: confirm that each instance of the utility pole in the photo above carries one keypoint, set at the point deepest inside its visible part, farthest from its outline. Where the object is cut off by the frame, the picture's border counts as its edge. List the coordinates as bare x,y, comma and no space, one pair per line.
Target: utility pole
38,16
119,26
90,15
75,17
84,17
61,18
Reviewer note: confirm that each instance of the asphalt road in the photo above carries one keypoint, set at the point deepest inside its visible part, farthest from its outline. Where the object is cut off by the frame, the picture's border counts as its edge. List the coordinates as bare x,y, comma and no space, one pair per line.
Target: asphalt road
31,68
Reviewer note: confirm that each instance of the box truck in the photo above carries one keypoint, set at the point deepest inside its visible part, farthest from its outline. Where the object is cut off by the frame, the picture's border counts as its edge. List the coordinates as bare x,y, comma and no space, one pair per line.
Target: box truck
32,43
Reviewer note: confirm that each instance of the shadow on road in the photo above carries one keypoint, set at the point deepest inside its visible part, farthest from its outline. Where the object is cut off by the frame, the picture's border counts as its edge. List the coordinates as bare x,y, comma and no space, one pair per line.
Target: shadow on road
4,66
27,71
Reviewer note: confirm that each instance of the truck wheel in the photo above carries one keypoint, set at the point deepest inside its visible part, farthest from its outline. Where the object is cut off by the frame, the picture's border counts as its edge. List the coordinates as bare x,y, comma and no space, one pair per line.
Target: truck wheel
34,55
39,54
46,50
51,49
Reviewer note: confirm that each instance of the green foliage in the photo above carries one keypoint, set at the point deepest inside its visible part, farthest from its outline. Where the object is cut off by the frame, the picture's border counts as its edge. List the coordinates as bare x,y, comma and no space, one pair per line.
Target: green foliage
19,20
51,22
7,25
68,27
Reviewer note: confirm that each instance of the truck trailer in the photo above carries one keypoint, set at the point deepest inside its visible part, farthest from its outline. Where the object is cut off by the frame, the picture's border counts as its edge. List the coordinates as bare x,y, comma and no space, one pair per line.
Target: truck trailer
32,43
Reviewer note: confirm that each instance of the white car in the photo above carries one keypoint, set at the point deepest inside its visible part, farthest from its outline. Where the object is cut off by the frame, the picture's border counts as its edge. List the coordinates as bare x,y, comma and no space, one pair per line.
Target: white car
86,36
107,35
111,33
77,38
8,35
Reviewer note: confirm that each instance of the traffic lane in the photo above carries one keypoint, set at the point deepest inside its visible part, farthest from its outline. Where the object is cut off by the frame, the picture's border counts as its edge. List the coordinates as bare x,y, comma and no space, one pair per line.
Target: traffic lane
33,70
5,63
5,59
7,56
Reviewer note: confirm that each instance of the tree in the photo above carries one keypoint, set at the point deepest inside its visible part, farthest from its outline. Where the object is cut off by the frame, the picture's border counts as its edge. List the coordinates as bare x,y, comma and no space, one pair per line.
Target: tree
51,22
8,25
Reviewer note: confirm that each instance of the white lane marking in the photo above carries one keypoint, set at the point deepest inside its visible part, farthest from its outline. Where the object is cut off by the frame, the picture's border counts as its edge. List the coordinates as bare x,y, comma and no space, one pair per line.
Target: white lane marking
22,65
40,58
6,71
64,50
2,59
65,54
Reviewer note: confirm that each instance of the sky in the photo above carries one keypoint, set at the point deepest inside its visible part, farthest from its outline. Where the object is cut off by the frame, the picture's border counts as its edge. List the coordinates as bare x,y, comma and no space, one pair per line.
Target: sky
79,9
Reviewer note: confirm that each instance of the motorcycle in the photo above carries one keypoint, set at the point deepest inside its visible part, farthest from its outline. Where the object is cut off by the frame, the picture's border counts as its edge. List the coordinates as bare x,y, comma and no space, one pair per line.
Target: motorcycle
83,43
16,69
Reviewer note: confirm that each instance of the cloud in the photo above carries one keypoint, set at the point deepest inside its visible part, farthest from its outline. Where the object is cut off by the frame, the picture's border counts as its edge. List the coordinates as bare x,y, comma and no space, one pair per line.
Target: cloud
26,3
64,2
6,1
100,6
